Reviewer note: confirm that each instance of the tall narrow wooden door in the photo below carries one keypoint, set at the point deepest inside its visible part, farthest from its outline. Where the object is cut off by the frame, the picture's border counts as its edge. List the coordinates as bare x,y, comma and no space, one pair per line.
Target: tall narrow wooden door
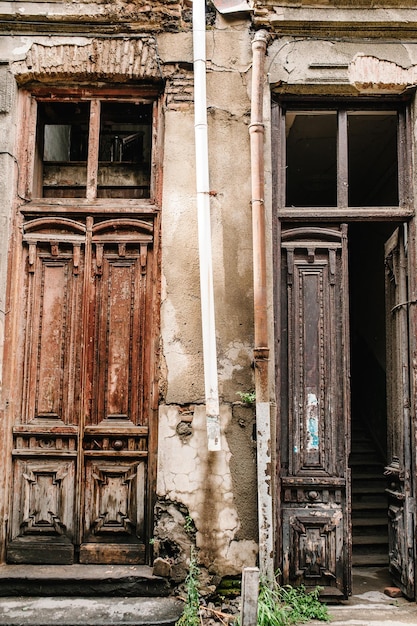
314,480
399,472
80,432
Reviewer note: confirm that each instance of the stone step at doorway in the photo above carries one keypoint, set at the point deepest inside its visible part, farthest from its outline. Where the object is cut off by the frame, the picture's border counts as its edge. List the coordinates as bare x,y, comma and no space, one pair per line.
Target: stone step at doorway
81,580
98,611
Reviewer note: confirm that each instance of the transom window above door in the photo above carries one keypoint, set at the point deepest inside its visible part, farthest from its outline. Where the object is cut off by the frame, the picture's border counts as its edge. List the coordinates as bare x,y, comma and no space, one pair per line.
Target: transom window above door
93,148
342,158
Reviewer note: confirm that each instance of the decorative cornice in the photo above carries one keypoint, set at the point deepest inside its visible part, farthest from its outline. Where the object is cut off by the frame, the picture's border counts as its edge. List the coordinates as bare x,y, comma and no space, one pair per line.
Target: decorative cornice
119,60
335,21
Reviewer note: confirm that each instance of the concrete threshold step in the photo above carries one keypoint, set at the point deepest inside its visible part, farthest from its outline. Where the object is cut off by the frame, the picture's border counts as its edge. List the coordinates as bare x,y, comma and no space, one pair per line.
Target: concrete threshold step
81,580
89,611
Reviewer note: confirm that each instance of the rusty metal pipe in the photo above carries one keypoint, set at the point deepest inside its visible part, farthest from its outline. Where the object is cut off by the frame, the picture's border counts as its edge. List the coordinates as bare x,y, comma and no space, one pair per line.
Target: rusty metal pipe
261,348
257,132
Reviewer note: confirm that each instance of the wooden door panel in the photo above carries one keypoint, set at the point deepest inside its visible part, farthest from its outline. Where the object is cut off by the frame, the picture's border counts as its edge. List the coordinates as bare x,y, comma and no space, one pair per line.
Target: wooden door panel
115,434
53,335
315,413
401,500
114,512
314,543
80,442
43,511
117,336
45,433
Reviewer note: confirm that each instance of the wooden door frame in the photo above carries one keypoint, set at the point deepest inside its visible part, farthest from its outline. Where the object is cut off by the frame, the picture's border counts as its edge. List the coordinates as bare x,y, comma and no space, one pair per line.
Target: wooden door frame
300,215
23,204
412,324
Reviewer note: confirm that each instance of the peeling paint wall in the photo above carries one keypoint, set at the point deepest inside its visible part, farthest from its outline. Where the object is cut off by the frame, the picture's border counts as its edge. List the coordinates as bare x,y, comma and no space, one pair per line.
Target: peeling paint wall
205,483
203,499
217,489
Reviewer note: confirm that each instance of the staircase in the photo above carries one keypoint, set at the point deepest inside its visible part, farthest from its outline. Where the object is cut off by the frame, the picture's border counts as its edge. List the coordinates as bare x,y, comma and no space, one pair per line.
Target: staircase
369,502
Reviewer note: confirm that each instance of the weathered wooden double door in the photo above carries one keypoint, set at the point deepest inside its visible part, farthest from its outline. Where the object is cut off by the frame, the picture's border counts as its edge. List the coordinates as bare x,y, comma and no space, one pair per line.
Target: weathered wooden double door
83,298
314,485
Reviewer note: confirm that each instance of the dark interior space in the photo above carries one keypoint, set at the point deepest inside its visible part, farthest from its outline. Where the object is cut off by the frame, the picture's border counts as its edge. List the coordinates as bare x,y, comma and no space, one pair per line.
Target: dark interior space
313,141
368,391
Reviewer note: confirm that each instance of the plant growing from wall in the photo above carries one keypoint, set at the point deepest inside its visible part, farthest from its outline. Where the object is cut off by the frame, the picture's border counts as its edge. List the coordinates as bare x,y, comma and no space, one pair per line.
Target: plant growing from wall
247,397
189,525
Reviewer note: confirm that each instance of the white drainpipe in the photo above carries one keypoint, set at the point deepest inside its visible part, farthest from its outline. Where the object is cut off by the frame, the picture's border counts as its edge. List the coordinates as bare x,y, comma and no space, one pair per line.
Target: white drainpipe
204,227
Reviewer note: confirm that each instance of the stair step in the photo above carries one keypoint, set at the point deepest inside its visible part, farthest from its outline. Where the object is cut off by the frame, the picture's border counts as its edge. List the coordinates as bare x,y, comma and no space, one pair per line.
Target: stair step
369,476
81,580
97,611
368,560
372,505
371,489
365,462
367,521
362,540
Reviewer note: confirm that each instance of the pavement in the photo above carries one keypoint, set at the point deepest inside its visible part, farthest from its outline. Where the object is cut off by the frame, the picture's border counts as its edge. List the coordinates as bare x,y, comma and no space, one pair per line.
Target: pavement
89,611
369,606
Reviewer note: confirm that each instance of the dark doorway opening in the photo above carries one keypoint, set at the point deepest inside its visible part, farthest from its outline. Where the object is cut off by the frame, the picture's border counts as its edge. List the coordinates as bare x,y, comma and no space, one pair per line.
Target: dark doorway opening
368,391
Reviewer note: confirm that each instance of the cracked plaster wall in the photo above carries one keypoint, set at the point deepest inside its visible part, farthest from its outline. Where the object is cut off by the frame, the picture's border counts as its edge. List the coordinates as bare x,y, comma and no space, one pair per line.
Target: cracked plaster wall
217,489
204,482
324,66
228,119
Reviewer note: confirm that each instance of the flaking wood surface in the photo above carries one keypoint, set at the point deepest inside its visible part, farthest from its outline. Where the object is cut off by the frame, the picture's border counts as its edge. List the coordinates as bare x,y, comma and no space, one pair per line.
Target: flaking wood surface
315,482
80,442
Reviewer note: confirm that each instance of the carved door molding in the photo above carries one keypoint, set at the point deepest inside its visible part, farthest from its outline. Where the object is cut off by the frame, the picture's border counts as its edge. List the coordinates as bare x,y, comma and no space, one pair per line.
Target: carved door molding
314,479
80,453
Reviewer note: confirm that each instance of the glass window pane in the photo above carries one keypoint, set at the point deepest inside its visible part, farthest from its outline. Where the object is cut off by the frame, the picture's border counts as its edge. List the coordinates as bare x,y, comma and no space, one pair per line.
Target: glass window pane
63,145
125,150
311,158
373,159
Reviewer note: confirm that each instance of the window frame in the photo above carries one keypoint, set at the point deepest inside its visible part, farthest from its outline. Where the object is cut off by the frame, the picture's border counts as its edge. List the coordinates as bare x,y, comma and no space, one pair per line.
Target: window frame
30,178
342,107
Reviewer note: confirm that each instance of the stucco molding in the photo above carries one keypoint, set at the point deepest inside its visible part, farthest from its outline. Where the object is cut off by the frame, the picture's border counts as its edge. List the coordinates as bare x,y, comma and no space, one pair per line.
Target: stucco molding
369,74
110,59
336,21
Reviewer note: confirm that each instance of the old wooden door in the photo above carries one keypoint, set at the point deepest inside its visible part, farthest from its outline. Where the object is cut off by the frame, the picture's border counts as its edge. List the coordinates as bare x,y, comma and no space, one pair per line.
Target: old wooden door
80,431
314,483
401,478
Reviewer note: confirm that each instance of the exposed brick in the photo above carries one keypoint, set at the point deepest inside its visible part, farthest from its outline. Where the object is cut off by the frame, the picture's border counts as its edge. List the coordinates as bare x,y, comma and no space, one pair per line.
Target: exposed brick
393,592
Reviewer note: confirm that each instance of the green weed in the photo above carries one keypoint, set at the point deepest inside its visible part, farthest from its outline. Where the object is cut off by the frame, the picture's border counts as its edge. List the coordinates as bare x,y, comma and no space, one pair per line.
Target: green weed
286,606
248,397
189,526
191,613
